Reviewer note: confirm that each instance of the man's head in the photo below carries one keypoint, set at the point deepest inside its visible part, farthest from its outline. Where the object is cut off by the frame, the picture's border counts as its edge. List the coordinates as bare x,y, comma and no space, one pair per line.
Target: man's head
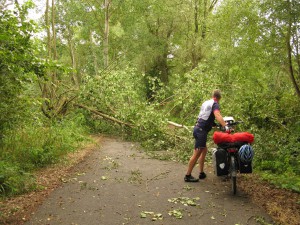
216,94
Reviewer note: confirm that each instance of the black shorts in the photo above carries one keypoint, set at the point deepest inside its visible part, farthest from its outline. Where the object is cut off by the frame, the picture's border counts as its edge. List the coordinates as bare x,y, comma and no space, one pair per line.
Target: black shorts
200,136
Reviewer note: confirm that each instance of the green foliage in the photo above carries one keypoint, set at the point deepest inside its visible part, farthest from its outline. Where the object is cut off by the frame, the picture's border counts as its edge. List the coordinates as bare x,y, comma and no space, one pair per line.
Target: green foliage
39,145
119,94
18,65
191,90
34,146
14,180
278,156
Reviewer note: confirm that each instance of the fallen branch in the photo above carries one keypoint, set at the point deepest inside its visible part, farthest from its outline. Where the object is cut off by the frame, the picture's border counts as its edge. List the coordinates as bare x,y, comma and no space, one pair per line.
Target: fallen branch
179,125
104,115
157,177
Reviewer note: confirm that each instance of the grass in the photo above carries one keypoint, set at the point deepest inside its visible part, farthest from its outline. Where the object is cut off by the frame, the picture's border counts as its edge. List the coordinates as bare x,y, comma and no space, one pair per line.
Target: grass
33,146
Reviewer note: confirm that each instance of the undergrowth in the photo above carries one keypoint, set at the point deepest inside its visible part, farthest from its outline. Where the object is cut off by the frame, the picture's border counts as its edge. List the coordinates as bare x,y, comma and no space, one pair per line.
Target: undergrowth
34,146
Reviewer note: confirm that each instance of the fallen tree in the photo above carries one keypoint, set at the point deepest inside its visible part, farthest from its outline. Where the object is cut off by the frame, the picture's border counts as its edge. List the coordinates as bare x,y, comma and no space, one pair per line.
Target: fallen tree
112,119
107,117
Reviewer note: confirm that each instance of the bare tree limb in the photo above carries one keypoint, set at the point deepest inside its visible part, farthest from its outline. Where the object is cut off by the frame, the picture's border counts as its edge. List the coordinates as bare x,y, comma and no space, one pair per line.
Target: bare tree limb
104,115
178,125
212,5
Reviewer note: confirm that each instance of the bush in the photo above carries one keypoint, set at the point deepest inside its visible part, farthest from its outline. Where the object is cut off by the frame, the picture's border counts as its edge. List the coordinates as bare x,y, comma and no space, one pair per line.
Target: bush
278,157
34,146
14,180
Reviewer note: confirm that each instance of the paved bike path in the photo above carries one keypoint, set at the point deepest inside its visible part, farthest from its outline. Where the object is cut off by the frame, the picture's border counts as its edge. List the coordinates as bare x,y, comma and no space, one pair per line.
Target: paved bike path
118,184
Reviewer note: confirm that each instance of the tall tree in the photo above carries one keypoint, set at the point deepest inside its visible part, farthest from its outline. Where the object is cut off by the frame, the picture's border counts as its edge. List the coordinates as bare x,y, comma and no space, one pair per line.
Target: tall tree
54,104
290,37
106,32
281,30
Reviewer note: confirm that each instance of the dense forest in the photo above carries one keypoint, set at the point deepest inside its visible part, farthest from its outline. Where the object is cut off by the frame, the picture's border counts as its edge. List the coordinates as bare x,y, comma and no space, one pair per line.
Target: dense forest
126,68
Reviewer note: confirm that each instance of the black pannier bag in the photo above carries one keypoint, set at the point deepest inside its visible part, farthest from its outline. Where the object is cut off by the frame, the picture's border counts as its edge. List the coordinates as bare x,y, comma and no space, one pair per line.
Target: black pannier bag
245,167
220,161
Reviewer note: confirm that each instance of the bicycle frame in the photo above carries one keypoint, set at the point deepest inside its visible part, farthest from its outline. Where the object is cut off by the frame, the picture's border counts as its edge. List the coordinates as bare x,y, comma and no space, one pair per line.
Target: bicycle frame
233,166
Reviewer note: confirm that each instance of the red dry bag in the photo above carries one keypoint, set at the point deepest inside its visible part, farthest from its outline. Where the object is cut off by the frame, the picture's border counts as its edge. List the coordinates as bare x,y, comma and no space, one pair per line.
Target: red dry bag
243,137
221,137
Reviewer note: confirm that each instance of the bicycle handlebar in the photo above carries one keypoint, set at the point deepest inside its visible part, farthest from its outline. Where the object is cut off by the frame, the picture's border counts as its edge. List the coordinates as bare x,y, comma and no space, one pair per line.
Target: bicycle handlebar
234,123
230,125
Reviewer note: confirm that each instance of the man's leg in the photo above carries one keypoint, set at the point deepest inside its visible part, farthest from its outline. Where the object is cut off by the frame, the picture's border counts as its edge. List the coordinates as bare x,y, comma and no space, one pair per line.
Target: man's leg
193,161
201,162
200,140
202,159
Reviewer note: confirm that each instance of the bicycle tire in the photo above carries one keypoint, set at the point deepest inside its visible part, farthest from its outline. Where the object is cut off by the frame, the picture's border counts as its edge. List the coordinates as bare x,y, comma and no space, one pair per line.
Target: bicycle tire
233,172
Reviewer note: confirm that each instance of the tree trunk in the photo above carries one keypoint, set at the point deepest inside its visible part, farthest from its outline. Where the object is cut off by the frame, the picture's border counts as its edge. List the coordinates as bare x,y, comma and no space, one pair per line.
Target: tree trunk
94,54
44,85
297,47
48,29
207,8
54,51
53,105
106,33
289,50
203,30
194,47
196,13
53,31
72,56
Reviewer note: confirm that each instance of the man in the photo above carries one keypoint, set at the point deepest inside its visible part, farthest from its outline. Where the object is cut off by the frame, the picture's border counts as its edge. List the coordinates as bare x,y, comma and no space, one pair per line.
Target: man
210,110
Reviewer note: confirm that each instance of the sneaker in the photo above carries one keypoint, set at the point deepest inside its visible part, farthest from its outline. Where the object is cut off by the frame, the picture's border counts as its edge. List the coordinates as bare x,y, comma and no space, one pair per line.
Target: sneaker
190,178
202,175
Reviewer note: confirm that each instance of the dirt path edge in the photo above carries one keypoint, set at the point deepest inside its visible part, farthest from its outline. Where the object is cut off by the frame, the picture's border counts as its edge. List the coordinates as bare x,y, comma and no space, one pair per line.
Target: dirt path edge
281,204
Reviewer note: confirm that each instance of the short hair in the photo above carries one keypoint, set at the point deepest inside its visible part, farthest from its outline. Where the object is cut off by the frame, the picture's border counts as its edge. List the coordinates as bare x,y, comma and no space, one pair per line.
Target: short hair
217,94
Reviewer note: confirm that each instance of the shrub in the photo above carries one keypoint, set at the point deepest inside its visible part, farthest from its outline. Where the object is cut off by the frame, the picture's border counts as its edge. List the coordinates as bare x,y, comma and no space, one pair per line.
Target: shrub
14,180
34,146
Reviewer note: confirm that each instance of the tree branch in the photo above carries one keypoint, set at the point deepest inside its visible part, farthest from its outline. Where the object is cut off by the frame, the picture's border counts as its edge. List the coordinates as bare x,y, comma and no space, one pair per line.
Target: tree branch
104,115
178,125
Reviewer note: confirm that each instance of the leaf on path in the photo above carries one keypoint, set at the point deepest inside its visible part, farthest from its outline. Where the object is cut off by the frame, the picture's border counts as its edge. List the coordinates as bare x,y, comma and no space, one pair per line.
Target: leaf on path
107,158
155,217
143,215
103,178
80,174
64,180
191,203
188,188
176,213
184,201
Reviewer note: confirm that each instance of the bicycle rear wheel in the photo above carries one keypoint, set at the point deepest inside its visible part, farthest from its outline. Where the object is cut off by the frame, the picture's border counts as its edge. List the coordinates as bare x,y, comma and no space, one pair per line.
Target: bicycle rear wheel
233,174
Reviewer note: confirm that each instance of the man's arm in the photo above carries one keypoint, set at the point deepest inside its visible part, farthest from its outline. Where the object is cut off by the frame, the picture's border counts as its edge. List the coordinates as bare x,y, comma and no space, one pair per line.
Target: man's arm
219,118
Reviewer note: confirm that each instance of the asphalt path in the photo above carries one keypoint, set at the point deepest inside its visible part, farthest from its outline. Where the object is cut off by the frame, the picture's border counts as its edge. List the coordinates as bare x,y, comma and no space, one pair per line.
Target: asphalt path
119,184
